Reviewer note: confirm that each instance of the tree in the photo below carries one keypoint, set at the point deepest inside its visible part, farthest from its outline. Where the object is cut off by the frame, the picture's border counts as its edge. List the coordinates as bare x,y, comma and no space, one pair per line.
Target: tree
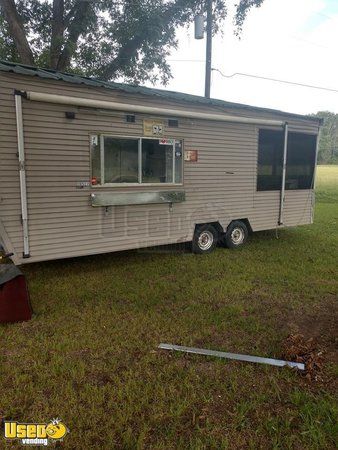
102,38
328,142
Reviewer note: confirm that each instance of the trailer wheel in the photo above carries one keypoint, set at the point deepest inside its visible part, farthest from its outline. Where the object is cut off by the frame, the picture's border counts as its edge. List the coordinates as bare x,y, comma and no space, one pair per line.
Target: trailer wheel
236,234
205,239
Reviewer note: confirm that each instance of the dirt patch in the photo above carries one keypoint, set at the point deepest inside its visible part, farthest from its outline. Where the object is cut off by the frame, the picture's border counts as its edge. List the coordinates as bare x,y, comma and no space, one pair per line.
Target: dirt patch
320,325
313,340
298,349
288,315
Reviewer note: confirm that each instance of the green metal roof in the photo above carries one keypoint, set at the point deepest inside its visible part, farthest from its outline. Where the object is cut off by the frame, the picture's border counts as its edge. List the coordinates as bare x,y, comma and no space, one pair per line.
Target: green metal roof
22,69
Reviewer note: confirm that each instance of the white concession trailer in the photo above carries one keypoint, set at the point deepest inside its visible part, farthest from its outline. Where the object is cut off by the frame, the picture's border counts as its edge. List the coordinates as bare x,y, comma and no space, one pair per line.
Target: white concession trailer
89,167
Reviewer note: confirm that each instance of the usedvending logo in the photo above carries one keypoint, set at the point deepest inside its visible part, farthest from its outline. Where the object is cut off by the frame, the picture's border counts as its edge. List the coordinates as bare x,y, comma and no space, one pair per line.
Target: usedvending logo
37,434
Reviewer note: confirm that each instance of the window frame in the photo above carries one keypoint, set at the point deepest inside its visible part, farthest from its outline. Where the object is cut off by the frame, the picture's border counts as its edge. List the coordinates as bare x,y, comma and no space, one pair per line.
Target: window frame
257,165
290,131
315,149
101,137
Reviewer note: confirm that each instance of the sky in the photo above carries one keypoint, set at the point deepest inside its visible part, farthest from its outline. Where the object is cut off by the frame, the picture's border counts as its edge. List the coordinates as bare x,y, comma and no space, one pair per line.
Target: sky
293,40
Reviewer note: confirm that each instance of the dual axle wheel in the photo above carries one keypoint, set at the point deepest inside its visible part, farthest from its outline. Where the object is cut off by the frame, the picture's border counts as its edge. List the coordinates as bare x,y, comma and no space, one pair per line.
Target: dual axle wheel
206,237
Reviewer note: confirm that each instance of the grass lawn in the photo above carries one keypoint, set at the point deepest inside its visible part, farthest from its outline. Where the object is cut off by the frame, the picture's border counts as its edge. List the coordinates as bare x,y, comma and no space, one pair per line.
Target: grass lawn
90,354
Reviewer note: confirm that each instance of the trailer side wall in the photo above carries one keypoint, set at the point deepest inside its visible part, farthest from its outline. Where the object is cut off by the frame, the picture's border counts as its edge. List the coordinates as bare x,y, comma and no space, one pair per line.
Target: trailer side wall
220,186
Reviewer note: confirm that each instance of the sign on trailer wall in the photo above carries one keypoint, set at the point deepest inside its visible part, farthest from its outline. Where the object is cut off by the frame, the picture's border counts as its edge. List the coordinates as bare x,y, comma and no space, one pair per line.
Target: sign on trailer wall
153,127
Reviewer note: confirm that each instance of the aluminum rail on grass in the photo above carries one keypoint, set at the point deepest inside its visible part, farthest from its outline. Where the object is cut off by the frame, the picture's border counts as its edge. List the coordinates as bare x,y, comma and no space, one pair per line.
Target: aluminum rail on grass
282,192
22,172
87,102
236,356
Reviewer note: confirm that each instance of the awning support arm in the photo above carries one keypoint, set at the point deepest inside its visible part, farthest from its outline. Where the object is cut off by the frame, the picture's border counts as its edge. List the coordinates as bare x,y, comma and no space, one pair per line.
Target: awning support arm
22,172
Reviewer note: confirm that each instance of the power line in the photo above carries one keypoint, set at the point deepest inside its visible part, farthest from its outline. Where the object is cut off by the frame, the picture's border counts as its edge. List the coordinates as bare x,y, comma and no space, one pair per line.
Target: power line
324,15
242,74
310,42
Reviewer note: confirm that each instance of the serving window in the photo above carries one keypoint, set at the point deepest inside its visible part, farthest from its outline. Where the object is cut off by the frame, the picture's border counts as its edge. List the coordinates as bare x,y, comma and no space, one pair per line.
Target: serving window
124,160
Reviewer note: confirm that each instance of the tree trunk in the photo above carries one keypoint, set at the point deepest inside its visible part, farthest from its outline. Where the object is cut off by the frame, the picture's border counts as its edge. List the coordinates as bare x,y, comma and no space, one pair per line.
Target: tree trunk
17,31
57,32
75,29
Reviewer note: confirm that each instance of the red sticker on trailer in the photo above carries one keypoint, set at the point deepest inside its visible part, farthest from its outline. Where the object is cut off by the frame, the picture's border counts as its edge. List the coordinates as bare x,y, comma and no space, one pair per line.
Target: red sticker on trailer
166,141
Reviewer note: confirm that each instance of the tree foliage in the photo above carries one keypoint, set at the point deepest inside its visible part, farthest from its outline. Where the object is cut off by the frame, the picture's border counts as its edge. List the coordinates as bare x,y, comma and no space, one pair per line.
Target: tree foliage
328,142
103,38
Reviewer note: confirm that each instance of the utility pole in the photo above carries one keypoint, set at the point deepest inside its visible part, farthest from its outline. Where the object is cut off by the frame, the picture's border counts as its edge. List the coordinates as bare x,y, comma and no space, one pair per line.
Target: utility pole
199,34
208,50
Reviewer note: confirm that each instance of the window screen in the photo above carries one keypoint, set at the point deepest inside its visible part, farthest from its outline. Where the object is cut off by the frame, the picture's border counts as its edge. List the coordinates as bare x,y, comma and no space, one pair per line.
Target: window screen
270,160
157,162
120,160
300,162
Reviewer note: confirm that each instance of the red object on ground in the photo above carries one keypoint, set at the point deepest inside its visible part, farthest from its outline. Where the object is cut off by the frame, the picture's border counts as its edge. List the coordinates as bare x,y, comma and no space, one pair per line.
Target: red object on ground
14,298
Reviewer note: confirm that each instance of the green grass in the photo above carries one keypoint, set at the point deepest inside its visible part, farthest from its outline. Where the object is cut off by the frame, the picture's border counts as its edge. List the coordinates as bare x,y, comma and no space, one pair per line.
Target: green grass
327,182
90,353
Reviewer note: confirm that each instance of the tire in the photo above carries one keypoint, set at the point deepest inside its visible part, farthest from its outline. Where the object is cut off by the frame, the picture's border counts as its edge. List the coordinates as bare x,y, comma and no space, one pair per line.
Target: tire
205,239
236,234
